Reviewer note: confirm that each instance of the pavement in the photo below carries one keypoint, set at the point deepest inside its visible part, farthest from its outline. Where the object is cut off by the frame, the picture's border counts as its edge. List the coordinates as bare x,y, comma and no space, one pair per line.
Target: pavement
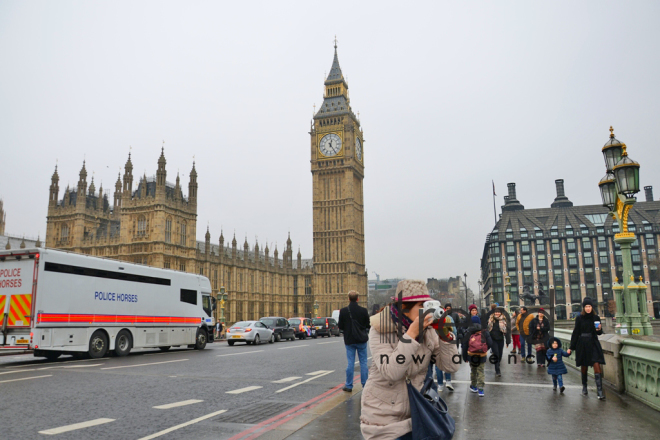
519,404
287,390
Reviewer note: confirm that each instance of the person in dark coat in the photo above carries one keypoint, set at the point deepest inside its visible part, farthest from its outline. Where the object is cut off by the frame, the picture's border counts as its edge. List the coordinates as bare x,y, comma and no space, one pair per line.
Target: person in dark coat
556,365
477,361
539,329
353,340
585,343
499,332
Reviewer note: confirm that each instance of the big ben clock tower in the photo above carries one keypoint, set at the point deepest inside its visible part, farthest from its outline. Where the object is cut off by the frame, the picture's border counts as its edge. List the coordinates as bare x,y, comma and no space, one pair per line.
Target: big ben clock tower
337,152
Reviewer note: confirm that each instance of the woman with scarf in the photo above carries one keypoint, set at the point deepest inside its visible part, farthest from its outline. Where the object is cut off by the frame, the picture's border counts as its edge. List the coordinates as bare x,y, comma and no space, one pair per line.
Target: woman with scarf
539,329
497,327
385,405
584,341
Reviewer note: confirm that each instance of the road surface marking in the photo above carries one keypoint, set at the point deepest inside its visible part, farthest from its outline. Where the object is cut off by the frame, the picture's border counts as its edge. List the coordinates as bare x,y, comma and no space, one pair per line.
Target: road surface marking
143,365
183,425
314,373
332,342
297,346
244,390
304,381
75,426
18,371
177,404
287,379
56,363
234,354
25,378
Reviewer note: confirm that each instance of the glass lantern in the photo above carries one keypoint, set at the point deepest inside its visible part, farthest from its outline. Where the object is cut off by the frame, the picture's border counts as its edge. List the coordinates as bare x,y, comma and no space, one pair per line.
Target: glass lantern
608,190
612,153
626,172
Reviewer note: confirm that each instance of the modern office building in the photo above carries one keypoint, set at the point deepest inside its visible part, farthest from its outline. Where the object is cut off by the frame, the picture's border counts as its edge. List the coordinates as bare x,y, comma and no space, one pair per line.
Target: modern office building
569,249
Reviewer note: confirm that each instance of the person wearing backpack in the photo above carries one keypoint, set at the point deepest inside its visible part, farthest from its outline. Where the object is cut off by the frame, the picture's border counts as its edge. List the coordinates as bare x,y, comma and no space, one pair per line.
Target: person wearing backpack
354,322
476,344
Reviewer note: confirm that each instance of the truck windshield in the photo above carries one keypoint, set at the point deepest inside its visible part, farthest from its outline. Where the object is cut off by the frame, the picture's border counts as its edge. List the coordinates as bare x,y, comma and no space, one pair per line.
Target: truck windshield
206,304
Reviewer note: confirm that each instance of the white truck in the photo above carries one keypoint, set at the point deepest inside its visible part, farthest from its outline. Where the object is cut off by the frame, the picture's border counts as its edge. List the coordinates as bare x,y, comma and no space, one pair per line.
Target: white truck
56,302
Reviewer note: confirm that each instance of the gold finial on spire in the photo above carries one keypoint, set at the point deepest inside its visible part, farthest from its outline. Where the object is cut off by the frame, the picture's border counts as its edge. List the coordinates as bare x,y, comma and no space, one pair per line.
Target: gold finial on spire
616,279
624,152
632,278
611,132
640,279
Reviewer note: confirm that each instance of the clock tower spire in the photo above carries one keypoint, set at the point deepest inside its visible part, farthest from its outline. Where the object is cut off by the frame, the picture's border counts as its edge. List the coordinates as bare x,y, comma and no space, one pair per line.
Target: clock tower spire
337,162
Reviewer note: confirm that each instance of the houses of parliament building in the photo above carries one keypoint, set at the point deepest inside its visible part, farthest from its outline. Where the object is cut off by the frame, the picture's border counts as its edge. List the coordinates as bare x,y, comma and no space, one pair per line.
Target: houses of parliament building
151,221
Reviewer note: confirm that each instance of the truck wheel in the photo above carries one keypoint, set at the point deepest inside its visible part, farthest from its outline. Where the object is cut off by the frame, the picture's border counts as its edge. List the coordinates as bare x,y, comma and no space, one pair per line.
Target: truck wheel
98,345
200,341
123,343
230,343
164,348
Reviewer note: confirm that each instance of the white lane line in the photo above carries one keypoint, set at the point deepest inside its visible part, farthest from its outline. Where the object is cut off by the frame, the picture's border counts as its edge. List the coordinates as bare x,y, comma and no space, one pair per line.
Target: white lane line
75,426
143,365
18,371
304,381
297,346
314,373
287,379
244,390
234,354
333,342
183,425
68,366
177,404
25,378
57,363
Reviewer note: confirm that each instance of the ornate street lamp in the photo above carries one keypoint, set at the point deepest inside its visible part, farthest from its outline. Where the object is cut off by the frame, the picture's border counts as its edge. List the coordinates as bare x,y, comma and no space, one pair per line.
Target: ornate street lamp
316,308
617,189
223,298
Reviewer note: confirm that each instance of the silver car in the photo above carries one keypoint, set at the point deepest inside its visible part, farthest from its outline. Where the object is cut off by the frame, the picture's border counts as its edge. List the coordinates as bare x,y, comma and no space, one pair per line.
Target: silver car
250,332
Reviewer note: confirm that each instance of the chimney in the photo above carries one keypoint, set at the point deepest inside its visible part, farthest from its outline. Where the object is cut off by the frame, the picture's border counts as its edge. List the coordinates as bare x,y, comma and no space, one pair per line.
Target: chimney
648,190
510,201
561,201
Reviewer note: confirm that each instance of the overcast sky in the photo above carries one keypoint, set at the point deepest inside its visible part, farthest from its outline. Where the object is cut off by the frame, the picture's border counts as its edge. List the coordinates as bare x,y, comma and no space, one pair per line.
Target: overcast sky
451,96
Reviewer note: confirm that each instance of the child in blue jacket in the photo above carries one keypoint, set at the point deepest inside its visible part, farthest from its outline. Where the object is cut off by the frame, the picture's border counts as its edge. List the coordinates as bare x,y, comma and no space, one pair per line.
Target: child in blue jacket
556,365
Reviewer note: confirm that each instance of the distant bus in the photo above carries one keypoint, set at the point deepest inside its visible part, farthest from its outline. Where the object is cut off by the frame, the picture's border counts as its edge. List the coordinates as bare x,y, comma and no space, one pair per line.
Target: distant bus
57,302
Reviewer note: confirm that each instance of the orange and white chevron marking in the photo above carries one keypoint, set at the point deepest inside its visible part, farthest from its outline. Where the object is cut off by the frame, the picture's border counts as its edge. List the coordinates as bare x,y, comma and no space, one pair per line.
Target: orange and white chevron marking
19,310
3,301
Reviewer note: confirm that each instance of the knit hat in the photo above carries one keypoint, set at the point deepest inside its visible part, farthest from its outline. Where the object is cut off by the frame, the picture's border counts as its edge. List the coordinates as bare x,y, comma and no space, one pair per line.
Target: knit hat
447,305
587,302
541,310
412,291
472,306
476,320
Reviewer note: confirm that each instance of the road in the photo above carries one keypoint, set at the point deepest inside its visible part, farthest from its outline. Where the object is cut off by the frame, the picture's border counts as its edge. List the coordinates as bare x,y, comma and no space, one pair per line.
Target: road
148,392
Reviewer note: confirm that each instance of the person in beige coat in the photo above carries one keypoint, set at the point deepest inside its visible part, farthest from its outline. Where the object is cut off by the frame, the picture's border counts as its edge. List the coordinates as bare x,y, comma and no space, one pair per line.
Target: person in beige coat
385,404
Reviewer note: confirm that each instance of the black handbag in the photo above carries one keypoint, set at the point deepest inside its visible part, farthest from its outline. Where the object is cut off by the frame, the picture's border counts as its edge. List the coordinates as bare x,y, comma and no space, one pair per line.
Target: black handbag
359,332
429,413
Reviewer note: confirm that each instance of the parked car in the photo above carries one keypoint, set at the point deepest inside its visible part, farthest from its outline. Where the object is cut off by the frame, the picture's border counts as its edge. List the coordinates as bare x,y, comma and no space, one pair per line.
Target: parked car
303,328
250,332
326,326
280,327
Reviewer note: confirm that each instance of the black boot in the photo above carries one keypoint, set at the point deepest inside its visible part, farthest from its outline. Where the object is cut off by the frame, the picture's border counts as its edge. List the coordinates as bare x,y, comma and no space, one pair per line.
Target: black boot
599,386
584,384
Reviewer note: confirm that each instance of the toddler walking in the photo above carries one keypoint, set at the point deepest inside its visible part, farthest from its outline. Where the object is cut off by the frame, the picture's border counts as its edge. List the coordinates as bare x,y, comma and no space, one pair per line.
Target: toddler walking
556,365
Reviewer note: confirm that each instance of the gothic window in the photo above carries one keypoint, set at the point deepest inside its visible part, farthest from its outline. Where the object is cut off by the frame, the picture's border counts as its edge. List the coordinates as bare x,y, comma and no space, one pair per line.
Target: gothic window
142,226
168,230
182,238
182,267
64,235
166,263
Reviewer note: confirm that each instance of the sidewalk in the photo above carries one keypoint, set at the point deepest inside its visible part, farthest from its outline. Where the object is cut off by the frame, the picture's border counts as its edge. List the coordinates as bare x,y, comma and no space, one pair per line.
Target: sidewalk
520,404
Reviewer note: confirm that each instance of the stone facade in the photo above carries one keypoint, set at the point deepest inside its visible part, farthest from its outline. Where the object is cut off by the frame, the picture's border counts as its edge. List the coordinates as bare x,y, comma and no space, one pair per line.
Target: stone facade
337,163
156,225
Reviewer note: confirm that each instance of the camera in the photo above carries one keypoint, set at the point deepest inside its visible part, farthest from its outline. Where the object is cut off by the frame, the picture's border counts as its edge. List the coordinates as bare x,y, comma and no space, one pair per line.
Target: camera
438,310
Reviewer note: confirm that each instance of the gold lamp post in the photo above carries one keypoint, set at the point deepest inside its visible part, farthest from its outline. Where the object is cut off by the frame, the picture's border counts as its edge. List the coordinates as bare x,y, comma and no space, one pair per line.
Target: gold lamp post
223,299
618,188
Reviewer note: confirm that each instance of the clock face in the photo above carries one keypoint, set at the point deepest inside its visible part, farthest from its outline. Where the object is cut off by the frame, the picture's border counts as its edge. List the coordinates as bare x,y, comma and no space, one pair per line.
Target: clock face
330,145
358,148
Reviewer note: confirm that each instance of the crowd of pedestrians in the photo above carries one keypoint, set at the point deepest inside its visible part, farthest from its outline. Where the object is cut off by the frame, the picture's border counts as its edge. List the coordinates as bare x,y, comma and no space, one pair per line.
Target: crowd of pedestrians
403,355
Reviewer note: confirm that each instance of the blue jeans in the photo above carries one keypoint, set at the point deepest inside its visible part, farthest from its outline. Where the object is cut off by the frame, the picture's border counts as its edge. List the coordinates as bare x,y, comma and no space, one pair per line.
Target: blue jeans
522,346
406,437
350,356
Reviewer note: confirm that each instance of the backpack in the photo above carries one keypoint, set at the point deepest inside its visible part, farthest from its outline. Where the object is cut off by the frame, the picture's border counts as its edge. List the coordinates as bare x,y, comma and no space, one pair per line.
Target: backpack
477,345
358,331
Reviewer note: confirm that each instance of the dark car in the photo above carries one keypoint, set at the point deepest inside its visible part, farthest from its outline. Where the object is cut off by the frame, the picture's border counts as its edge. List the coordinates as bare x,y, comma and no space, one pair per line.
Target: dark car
280,327
303,327
326,326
